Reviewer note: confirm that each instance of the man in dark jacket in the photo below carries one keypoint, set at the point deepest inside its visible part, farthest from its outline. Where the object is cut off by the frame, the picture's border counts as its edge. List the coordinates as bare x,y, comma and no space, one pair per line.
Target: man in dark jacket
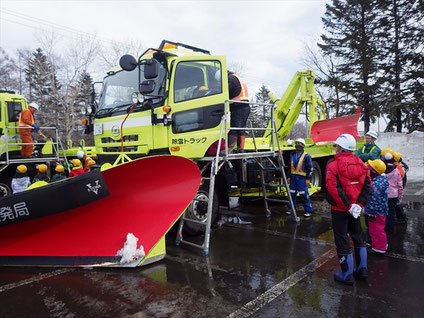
348,190
300,164
239,111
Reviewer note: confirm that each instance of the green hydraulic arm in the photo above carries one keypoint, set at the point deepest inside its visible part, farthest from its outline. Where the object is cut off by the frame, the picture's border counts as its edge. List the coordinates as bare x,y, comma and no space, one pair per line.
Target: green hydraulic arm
301,90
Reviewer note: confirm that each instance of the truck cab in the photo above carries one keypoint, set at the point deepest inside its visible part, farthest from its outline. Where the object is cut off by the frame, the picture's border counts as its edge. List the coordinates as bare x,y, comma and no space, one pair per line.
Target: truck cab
11,106
174,99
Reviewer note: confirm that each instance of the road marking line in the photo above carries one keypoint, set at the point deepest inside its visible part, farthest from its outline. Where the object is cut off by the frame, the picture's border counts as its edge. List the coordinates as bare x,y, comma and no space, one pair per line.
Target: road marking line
251,307
34,279
419,192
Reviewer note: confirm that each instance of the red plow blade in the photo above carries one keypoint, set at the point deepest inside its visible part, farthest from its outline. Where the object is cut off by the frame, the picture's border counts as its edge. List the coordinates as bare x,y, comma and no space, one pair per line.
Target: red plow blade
329,129
146,197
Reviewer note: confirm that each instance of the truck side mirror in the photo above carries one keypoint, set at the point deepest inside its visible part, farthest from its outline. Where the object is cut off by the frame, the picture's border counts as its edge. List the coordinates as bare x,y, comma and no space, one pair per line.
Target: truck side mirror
1,131
146,87
128,62
151,69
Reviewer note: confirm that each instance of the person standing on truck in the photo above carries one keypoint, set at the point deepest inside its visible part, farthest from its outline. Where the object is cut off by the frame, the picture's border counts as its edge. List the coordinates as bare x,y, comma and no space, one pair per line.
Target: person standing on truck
87,161
239,111
369,151
300,164
26,124
348,190
20,181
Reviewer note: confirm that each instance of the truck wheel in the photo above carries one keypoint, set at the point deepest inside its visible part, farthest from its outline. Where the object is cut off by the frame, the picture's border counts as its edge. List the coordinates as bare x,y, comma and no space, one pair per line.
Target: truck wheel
4,190
197,210
316,178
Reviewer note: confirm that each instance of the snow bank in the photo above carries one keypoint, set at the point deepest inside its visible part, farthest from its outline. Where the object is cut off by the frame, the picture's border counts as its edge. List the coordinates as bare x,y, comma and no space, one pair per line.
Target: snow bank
130,252
411,146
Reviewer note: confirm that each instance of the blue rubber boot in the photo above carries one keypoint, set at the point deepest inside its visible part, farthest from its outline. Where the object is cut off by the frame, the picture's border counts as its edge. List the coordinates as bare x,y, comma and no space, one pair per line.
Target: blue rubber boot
361,256
346,264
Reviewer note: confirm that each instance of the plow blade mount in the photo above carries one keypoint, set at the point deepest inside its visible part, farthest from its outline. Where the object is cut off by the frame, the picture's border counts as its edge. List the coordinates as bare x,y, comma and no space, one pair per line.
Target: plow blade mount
146,197
329,129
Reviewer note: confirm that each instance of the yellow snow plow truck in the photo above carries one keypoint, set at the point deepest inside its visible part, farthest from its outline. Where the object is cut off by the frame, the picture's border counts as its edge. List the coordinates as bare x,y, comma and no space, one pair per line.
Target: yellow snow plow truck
175,100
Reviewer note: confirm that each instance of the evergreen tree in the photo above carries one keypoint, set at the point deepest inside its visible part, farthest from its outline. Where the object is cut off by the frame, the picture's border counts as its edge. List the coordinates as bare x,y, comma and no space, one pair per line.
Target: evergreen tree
43,88
351,36
260,114
402,61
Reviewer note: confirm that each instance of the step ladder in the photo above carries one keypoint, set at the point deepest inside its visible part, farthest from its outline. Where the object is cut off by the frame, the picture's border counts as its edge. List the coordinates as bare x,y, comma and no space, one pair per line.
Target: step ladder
217,162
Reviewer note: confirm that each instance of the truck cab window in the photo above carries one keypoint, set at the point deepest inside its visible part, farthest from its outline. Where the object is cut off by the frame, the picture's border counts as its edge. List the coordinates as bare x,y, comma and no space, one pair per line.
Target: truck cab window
13,110
196,79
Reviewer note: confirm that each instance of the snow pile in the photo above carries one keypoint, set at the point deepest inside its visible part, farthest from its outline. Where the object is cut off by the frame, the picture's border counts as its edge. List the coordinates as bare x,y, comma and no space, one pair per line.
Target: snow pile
411,146
130,252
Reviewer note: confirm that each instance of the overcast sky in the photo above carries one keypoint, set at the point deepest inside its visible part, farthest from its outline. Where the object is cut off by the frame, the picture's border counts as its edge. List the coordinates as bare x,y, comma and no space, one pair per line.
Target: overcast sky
265,37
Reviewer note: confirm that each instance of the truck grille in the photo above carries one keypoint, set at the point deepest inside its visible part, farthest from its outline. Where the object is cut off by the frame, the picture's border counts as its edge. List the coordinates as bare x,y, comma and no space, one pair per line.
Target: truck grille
125,138
118,149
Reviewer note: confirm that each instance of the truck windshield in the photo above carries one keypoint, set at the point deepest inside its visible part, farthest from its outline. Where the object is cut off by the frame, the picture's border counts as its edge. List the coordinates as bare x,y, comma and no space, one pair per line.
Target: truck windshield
118,89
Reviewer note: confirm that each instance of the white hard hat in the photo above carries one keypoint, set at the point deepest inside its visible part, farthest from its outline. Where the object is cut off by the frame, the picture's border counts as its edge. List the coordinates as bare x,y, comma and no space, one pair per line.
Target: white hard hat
372,134
346,141
80,154
301,140
34,105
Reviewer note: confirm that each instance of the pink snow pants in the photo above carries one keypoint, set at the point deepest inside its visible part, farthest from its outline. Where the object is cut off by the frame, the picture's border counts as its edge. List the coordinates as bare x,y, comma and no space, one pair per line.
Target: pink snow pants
377,233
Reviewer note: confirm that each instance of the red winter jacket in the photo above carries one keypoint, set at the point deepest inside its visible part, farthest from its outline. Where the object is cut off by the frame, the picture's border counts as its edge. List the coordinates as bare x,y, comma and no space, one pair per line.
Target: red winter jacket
347,181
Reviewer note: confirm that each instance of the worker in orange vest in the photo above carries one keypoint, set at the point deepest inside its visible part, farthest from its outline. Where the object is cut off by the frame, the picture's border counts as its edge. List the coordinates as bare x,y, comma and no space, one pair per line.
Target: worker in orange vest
239,111
86,161
26,124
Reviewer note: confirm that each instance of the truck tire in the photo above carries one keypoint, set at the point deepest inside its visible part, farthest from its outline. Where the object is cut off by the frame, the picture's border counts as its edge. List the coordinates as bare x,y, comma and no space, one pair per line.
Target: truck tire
197,210
316,178
4,190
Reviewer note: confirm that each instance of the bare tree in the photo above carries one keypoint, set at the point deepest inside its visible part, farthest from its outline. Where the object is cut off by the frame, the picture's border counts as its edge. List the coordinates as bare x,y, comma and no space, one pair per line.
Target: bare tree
8,72
110,54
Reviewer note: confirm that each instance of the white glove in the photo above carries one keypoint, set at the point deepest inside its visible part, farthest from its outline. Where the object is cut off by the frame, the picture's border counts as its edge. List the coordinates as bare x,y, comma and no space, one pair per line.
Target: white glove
355,210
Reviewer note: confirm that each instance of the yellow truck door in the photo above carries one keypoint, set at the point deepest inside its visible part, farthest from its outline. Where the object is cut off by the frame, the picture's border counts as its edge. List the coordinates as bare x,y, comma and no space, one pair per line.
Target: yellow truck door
197,96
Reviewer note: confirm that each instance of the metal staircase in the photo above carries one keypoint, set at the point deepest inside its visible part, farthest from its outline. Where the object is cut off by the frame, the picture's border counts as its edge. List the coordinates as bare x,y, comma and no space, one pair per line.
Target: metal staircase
216,163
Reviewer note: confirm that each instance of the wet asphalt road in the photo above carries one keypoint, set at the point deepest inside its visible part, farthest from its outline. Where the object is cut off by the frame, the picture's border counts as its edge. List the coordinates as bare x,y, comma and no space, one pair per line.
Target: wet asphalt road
271,268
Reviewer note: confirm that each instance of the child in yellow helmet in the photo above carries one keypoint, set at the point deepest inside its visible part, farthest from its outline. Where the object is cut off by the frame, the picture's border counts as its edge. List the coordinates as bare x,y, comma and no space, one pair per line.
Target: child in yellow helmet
41,173
20,181
60,173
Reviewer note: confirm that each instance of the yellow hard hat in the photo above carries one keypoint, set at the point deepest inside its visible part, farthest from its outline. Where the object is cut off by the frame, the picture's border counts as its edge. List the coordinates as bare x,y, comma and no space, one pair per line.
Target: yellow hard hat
386,150
59,168
91,162
22,168
397,156
42,168
203,88
378,165
76,162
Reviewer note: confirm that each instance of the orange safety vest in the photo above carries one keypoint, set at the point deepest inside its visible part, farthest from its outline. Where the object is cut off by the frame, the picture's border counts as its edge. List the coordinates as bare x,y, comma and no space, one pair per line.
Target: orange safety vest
298,170
243,96
31,121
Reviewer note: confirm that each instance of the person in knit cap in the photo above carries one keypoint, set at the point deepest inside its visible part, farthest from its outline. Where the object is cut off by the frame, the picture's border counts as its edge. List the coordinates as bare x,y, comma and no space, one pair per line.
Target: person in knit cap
20,181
